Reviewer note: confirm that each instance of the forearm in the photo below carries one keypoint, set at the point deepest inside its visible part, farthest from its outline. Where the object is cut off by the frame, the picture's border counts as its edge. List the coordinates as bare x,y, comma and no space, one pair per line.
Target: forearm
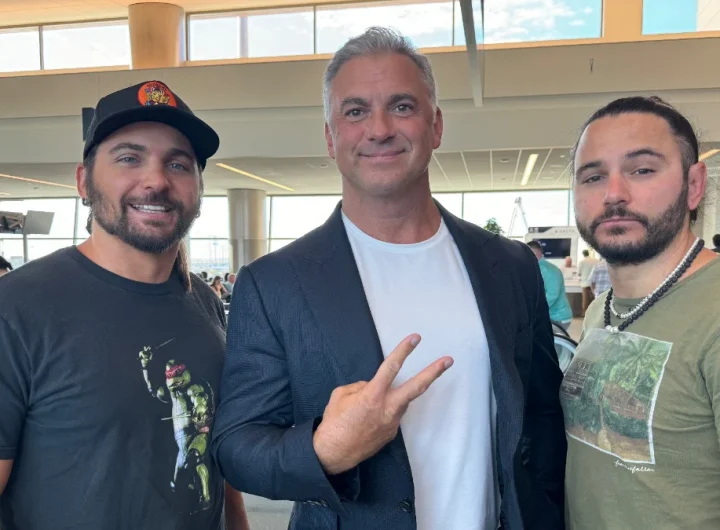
277,463
235,514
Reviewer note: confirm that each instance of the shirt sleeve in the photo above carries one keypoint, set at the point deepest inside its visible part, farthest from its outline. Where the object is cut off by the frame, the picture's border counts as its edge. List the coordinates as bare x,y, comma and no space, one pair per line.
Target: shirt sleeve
15,376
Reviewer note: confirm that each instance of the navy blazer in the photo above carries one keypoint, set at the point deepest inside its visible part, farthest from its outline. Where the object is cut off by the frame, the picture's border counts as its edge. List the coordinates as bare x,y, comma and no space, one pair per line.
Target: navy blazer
300,326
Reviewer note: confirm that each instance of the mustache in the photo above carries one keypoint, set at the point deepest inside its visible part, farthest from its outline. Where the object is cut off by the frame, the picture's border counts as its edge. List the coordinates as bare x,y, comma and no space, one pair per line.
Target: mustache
619,211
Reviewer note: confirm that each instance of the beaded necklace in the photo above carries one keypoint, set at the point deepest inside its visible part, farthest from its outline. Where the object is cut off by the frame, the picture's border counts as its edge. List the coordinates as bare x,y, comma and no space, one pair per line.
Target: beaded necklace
647,302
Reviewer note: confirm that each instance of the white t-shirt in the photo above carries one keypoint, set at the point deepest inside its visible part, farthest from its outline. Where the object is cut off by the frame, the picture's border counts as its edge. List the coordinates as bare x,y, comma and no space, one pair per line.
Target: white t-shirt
449,432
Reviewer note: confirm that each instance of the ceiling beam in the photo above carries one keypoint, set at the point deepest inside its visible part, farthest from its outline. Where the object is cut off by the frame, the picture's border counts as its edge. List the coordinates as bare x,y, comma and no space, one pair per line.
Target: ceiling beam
476,58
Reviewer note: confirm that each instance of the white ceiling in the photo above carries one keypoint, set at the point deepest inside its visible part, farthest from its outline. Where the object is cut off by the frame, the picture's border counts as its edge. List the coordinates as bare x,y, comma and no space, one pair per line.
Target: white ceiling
495,170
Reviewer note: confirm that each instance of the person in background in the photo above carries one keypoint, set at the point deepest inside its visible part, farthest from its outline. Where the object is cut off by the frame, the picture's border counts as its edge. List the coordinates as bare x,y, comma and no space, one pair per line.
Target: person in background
560,311
218,287
585,269
111,352
716,243
599,278
5,266
229,282
337,393
642,394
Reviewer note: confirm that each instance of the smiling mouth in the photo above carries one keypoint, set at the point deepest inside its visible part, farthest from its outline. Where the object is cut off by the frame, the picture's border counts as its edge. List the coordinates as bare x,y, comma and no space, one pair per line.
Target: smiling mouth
150,208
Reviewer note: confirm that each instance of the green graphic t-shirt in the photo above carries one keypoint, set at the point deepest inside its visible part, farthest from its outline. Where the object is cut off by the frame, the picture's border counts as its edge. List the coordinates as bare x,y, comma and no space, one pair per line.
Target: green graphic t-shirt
642,414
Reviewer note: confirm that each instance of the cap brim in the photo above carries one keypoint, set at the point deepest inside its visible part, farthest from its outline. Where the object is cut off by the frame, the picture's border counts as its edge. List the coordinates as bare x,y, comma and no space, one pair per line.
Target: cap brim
203,138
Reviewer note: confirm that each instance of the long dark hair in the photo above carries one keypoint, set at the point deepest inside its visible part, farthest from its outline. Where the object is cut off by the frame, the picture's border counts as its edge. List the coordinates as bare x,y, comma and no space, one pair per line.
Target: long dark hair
5,264
680,126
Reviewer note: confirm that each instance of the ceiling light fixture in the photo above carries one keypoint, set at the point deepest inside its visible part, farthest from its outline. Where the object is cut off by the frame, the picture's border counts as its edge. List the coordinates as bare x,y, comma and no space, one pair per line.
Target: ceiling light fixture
709,154
529,169
38,181
250,175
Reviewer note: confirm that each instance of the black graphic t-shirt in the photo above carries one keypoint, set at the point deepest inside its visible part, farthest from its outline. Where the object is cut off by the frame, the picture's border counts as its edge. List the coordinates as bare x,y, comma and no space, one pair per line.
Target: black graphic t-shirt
108,389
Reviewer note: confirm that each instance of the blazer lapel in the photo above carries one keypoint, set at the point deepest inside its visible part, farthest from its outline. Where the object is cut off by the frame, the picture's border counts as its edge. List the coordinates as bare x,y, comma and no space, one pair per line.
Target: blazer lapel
334,291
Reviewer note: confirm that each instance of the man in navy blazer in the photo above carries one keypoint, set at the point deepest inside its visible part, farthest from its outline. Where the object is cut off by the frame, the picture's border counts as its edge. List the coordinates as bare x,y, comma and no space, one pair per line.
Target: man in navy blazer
393,369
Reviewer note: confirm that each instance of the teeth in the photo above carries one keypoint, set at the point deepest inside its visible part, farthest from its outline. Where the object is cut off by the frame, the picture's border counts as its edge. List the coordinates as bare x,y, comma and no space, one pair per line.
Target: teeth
150,208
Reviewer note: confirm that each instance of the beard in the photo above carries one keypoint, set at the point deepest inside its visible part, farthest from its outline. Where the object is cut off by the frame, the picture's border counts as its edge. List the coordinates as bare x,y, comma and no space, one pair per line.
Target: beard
659,232
119,225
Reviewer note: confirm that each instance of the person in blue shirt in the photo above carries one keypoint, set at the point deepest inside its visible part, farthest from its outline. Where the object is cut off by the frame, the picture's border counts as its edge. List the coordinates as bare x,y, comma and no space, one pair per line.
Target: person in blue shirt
554,280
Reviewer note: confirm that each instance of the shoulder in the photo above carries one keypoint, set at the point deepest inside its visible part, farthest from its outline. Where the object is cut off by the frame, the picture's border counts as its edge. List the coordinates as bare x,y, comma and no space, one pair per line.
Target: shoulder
207,297
36,278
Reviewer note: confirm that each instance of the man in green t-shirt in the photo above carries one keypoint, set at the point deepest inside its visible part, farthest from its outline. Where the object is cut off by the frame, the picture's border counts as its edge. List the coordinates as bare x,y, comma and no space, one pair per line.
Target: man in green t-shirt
642,396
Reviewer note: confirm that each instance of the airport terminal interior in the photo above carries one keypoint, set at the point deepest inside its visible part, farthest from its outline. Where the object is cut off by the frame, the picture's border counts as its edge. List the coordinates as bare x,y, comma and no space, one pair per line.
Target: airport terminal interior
516,78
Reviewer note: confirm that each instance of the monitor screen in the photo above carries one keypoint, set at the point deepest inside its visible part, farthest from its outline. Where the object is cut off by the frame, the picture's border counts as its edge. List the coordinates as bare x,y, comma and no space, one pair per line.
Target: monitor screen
556,248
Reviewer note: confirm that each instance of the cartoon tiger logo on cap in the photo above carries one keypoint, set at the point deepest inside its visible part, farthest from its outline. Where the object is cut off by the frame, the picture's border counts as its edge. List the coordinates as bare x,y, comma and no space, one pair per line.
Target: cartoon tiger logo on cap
155,93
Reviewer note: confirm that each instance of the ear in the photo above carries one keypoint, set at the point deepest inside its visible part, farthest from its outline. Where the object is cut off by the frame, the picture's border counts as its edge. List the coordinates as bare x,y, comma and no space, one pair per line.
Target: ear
697,183
81,181
437,128
329,141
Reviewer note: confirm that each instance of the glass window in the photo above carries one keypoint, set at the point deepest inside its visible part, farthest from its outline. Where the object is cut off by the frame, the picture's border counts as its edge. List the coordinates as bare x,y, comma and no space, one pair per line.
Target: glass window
214,220
86,45
280,33
452,202
680,16
12,250
541,208
427,24
63,224
213,37
19,49
275,244
533,20
293,217
211,256
37,248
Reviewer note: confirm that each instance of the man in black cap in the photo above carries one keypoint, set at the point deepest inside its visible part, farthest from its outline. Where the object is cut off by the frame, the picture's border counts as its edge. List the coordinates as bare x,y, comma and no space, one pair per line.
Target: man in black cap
111,351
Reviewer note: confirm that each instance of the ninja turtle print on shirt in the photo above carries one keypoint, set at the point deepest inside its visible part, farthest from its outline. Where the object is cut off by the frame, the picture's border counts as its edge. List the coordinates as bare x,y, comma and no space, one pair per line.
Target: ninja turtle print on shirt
192,405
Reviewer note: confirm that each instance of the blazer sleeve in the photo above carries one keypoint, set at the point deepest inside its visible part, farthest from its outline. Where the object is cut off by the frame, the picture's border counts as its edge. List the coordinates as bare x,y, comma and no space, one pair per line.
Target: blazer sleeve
257,445
544,422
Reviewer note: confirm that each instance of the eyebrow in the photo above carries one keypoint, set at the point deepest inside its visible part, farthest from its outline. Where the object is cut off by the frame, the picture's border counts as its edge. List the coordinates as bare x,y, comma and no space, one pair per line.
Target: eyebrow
645,151
397,98
176,151
354,101
128,145
394,99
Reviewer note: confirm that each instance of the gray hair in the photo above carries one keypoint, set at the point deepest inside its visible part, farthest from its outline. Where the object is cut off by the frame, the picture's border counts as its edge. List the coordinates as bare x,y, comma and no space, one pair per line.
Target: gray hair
376,41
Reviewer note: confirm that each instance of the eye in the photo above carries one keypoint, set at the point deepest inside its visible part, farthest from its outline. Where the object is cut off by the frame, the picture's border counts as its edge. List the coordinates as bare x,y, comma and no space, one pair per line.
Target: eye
643,171
177,166
128,159
354,113
404,108
591,179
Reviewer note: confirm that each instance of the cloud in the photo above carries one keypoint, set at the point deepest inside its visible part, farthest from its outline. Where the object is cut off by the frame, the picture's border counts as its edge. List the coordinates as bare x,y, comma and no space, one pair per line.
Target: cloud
577,22
588,11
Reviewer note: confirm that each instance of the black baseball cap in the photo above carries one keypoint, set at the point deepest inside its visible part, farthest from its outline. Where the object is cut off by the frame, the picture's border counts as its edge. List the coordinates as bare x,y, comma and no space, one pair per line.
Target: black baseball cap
150,101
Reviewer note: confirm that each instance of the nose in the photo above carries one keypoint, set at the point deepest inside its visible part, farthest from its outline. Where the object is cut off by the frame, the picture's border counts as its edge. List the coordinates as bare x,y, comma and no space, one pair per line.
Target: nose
380,127
155,176
617,191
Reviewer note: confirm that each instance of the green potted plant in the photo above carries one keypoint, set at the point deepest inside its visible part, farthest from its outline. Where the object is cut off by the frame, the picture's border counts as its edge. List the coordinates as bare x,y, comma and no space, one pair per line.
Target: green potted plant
493,226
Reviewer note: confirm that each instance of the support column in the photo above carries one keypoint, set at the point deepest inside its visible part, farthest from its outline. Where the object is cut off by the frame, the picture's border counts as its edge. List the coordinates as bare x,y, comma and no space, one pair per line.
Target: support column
157,35
248,240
